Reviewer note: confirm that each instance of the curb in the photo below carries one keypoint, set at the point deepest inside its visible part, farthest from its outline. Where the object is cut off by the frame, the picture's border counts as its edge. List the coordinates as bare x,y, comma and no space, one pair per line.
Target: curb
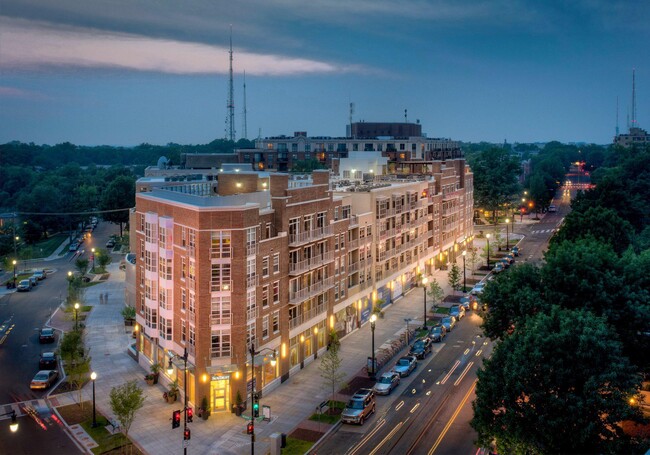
322,439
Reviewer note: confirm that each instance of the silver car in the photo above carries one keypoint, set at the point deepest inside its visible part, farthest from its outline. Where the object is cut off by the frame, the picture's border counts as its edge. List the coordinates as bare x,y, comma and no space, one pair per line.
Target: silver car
386,383
405,365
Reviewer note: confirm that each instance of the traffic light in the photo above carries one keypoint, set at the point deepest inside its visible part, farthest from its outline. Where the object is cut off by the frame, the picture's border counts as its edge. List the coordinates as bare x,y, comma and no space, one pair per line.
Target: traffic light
250,428
187,434
190,414
256,405
176,419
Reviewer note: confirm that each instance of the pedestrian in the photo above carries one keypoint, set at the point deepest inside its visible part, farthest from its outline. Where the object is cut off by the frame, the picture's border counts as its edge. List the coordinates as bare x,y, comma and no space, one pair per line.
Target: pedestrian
106,298
101,298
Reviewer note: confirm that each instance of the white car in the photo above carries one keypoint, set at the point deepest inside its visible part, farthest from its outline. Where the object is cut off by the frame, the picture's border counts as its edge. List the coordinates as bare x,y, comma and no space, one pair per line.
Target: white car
477,289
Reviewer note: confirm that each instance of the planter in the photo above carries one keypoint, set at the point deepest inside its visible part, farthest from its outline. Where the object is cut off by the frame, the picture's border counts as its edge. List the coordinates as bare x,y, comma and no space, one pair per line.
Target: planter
205,415
150,381
238,411
171,399
155,378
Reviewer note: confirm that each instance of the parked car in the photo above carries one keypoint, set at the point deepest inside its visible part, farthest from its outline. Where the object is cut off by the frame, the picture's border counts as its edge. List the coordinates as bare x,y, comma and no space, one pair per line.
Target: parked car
466,302
110,243
47,361
46,335
437,333
515,250
552,208
33,280
74,246
477,289
40,274
498,268
359,408
421,348
510,257
457,311
24,286
405,365
386,383
505,262
44,379
448,322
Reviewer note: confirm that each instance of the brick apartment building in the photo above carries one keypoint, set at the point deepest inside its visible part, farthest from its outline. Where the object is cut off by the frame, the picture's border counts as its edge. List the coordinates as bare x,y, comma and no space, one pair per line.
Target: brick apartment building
229,258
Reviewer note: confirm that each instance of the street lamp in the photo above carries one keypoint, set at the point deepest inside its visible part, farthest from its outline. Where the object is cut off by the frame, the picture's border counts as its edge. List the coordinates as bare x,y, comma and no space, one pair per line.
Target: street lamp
14,263
373,319
253,353
425,280
16,239
76,313
93,257
93,376
13,426
170,371
464,276
507,241
487,236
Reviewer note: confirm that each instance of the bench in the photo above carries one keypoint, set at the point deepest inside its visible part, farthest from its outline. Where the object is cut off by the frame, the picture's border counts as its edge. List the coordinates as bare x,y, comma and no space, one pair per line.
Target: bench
115,426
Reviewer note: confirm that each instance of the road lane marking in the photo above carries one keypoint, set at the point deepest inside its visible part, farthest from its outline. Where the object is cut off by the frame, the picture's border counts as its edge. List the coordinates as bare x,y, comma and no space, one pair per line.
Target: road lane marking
450,372
466,351
462,375
453,417
367,437
399,405
417,405
478,353
388,437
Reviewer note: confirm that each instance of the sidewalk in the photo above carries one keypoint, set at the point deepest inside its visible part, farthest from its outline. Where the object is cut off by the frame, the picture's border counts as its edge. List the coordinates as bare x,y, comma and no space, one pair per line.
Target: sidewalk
224,433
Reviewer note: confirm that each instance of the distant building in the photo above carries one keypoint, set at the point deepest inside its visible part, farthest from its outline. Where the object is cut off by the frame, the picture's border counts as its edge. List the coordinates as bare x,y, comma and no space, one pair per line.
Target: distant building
636,137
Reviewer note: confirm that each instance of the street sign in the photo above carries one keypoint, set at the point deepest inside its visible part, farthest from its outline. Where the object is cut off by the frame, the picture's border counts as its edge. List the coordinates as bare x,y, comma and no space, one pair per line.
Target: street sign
266,413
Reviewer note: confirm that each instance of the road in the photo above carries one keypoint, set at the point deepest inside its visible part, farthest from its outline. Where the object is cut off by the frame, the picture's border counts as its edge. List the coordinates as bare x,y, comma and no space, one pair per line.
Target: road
430,413
24,314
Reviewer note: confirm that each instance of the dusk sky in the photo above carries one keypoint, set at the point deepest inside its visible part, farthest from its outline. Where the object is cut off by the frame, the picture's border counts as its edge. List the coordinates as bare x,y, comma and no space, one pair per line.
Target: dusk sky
123,72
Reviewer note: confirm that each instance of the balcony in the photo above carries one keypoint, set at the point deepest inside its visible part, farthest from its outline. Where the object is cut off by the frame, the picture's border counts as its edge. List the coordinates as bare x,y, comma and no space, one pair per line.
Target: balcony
252,281
216,320
191,250
251,249
306,316
296,268
296,297
383,255
309,236
252,313
354,221
353,244
384,234
354,267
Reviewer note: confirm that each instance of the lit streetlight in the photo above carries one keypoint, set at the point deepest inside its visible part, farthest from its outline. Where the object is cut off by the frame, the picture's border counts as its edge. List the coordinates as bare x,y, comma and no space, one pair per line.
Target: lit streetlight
14,262
373,319
13,426
76,314
93,376
425,280
507,240
93,258
464,275
487,236
253,353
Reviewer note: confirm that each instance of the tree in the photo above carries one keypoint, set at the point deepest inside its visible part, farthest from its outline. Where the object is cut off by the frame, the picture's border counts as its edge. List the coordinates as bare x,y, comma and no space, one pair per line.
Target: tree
512,298
454,277
472,258
560,386
78,373
82,265
103,258
436,293
125,401
330,366
119,196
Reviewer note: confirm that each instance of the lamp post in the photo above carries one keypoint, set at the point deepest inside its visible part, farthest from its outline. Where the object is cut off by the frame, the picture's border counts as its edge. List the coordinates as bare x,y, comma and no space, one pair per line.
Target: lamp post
507,240
14,262
373,319
464,276
93,376
407,320
13,426
170,371
93,258
16,239
76,313
425,280
487,236
253,353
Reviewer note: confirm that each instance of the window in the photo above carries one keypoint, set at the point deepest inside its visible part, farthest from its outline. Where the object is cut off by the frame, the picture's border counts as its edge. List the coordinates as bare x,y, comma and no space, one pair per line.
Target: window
142,222
220,343
250,334
162,237
342,241
150,261
220,310
165,269
183,330
141,249
336,266
165,329
336,242
183,299
276,263
220,277
320,219
265,327
192,338
276,321
342,289
336,291
183,236
192,301
148,232
220,245
162,298
265,296
265,266
276,292
268,230
183,268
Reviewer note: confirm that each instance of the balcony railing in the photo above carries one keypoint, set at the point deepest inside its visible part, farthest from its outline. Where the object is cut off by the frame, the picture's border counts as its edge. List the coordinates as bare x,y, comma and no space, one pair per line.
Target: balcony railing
305,265
252,313
251,249
353,244
383,255
252,281
354,267
310,236
223,253
216,320
306,316
295,297
354,221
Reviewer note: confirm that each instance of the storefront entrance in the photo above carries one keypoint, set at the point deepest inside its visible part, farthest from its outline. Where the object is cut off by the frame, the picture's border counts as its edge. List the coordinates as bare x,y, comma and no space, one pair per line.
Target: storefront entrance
220,393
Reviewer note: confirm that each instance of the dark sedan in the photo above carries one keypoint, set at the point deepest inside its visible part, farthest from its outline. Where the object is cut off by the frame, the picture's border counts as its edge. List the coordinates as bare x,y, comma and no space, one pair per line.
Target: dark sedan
421,348
47,361
46,335
437,333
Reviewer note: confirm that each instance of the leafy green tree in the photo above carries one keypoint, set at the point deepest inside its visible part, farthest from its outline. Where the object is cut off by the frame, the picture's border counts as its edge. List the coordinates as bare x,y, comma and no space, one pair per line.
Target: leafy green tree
78,373
435,293
602,224
103,258
126,400
512,298
560,386
306,165
495,178
472,258
330,366
82,265
117,199
454,277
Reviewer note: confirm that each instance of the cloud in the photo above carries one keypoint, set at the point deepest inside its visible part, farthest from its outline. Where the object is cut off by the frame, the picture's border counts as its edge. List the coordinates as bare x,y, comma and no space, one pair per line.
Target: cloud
32,45
13,92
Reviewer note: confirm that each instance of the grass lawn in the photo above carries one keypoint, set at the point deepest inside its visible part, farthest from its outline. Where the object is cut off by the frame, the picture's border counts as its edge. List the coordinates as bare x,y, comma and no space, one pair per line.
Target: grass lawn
296,446
442,310
326,417
107,442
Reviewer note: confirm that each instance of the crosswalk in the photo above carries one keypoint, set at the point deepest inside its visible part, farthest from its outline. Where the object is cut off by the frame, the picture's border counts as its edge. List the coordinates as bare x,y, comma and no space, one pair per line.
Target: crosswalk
19,408
543,231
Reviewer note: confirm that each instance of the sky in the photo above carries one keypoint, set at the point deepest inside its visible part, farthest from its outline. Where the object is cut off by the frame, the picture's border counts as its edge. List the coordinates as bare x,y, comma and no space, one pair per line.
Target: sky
125,72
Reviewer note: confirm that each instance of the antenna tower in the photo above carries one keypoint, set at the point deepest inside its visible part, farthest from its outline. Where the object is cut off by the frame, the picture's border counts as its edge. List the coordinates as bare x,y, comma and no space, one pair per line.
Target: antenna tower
245,125
231,101
633,99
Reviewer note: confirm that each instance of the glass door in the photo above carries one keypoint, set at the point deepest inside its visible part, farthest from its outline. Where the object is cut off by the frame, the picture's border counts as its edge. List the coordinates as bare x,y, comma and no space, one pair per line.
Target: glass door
220,393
